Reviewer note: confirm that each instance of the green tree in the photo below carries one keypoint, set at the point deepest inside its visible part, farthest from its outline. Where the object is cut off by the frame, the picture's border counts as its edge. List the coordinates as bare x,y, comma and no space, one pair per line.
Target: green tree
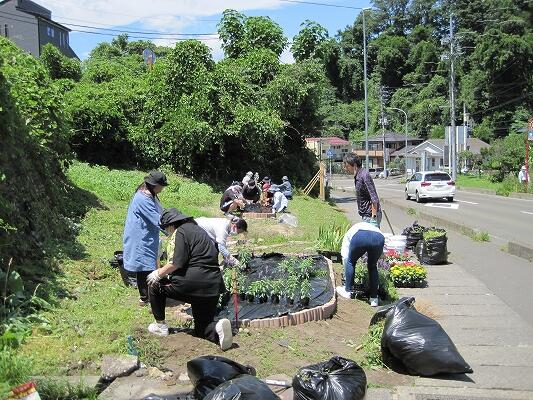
58,65
306,44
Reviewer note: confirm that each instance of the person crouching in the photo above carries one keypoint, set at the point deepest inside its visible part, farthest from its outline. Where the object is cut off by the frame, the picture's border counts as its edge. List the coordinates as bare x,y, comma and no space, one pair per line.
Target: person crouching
191,275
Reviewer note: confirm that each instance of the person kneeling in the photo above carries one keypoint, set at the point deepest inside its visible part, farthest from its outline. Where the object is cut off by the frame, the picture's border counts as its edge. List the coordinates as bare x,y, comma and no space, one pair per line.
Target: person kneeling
192,275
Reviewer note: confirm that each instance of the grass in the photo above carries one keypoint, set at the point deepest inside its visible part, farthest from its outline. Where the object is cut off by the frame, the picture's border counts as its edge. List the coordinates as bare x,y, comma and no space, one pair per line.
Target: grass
372,346
475,181
481,237
98,312
412,211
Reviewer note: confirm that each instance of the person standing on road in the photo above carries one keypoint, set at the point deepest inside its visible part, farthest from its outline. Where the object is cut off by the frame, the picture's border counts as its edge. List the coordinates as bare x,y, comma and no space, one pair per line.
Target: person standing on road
361,238
141,231
522,175
192,275
367,198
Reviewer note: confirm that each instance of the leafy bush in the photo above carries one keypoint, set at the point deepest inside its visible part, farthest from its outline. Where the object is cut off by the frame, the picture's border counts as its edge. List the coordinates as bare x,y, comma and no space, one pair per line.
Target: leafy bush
58,65
330,237
386,289
431,233
372,346
408,274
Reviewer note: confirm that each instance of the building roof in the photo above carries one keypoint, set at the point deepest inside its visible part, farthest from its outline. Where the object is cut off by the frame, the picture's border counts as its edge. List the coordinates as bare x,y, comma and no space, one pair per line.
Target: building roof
401,151
392,137
33,8
333,140
474,145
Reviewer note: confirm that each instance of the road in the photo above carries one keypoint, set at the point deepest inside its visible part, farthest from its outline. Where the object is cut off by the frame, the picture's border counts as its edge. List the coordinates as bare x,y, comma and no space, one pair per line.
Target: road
504,218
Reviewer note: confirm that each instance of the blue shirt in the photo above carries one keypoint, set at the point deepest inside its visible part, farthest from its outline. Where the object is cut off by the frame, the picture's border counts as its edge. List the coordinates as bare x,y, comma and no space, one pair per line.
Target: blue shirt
141,233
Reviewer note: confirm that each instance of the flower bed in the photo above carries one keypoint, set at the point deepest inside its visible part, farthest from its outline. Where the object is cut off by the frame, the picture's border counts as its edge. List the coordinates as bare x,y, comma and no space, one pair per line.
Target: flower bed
408,274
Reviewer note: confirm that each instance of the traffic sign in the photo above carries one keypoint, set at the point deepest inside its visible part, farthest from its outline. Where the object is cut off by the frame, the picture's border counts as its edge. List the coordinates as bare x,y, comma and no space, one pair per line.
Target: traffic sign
149,56
329,153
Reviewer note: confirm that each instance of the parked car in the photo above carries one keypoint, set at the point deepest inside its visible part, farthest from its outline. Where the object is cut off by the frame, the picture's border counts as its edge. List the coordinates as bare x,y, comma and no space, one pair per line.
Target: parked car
430,185
390,172
374,172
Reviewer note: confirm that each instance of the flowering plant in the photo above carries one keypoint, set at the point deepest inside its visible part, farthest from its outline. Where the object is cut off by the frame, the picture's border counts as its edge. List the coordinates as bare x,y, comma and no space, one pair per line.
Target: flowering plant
393,257
408,274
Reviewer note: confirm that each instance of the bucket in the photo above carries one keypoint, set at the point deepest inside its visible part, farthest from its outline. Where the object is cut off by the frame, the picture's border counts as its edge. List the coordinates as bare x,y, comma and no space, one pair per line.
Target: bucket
396,243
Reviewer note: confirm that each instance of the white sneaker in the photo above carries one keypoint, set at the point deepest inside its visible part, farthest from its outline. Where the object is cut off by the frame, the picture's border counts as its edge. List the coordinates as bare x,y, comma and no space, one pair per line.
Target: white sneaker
225,337
374,301
341,291
158,329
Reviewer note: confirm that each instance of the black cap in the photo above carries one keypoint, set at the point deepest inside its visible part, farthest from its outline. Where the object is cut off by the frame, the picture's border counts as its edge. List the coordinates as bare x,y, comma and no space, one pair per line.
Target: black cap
251,183
156,178
266,179
170,216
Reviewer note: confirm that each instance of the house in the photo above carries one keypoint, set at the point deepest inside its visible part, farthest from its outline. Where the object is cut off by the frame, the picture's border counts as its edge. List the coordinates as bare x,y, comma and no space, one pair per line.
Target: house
430,155
335,146
30,26
393,142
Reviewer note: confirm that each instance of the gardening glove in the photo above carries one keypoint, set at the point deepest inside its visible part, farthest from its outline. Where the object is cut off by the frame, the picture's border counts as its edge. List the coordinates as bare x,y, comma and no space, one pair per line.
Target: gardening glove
153,277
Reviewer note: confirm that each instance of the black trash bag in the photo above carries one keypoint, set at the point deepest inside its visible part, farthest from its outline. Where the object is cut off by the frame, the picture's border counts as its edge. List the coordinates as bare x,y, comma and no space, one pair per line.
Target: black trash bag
418,344
382,312
129,278
336,379
208,372
413,235
244,387
432,251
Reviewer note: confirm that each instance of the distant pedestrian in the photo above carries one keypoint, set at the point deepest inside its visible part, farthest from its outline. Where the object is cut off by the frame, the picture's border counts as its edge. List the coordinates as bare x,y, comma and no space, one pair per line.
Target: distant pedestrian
249,175
361,238
367,198
523,175
286,187
141,231
232,199
251,192
278,200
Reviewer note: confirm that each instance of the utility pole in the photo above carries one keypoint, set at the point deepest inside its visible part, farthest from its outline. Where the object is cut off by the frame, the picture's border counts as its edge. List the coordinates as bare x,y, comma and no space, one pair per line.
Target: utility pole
453,149
366,90
381,95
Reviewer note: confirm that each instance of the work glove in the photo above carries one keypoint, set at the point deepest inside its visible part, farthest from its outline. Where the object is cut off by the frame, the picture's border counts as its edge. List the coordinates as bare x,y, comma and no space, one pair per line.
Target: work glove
374,221
231,261
153,277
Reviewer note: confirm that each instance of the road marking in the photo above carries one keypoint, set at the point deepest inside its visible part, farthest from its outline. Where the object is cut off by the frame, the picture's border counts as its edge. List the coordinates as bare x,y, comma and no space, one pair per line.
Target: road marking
527,212
443,205
467,202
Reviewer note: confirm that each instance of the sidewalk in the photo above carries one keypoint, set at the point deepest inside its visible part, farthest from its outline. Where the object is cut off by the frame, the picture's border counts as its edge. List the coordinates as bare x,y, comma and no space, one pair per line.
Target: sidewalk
492,338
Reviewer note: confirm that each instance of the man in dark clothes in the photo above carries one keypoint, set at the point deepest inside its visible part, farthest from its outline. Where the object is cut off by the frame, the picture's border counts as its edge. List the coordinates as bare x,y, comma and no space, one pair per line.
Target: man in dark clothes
367,197
232,199
251,191
192,275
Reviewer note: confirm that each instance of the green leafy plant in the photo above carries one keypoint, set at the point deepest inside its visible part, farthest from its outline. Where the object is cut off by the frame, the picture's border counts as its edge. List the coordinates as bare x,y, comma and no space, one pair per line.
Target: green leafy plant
432,233
371,346
386,289
305,289
481,237
330,237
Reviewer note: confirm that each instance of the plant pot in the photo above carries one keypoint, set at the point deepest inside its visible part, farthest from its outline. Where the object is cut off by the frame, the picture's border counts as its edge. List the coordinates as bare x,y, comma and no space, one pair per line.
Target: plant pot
304,301
290,300
334,256
250,298
242,296
274,298
263,299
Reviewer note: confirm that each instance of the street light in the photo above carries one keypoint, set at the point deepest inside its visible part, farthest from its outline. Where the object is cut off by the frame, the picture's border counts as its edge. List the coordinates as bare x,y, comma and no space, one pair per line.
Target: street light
404,113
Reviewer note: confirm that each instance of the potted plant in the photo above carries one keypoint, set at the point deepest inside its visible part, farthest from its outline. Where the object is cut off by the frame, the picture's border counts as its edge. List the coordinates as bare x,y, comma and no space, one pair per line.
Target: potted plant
291,288
329,241
277,289
305,291
408,274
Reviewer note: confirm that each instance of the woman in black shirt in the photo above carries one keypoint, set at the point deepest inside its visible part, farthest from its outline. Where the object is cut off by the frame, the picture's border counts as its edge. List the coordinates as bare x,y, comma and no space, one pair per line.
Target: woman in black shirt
192,276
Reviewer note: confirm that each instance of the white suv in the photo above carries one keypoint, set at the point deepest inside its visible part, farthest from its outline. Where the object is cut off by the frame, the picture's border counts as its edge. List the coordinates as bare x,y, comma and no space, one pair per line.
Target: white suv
430,185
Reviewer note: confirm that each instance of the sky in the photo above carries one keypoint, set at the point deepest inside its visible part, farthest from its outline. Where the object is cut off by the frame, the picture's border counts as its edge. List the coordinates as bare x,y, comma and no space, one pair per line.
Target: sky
164,17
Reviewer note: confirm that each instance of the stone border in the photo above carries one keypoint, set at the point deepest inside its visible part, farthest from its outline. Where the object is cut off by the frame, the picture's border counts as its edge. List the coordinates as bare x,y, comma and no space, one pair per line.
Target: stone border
252,215
312,314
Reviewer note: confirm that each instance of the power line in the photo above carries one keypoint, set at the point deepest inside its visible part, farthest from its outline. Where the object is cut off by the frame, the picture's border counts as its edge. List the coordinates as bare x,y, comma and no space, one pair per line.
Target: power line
113,30
322,4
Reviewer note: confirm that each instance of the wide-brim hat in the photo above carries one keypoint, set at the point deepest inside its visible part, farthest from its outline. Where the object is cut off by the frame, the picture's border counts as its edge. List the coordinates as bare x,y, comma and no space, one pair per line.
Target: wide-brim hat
171,216
156,178
266,179
284,178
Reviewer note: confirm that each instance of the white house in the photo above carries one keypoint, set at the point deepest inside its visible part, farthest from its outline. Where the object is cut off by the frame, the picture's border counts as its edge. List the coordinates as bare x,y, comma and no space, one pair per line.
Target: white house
336,146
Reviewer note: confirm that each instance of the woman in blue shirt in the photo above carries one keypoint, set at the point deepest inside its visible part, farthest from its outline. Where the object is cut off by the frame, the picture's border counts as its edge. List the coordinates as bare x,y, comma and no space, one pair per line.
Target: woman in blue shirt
141,232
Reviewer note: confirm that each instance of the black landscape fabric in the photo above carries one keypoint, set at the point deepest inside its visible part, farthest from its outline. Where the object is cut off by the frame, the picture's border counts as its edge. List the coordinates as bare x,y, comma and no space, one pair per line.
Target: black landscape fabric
266,267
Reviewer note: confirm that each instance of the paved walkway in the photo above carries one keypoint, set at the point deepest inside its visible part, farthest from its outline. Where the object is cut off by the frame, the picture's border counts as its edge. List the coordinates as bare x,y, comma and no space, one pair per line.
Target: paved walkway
492,338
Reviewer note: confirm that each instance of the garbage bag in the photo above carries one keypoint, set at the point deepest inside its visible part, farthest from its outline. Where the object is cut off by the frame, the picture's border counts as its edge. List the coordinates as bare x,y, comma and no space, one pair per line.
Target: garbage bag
382,312
336,379
244,387
129,278
418,344
413,235
208,372
432,251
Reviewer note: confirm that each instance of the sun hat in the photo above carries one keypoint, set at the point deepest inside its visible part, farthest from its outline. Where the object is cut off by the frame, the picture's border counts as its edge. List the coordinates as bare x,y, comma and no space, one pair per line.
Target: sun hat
170,216
266,179
284,178
156,178
249,173
523,168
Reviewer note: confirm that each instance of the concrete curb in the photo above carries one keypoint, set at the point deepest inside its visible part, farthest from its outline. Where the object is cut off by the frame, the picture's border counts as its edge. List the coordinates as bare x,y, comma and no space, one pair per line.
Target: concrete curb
514,248
524,196
476,190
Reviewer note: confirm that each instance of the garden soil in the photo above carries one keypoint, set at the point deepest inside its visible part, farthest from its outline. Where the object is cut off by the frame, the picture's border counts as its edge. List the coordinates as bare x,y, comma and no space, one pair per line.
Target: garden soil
284,351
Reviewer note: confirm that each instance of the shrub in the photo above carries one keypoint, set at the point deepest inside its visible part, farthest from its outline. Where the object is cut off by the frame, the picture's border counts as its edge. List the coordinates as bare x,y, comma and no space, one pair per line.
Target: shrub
408,274
330,237
386,288
372,346
431,233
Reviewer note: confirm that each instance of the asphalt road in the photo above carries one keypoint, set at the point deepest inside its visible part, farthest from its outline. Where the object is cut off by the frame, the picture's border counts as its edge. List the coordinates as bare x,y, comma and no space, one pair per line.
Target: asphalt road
504,218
